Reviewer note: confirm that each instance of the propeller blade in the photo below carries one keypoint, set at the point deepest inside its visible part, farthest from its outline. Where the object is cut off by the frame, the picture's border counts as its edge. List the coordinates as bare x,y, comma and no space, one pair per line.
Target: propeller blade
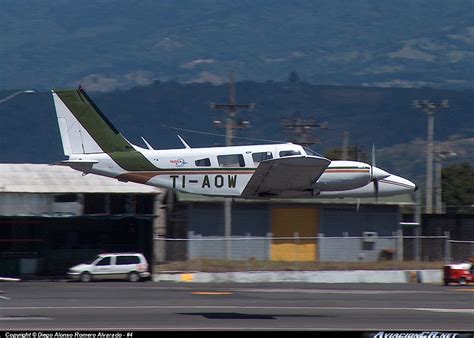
376,189
373,155
374,179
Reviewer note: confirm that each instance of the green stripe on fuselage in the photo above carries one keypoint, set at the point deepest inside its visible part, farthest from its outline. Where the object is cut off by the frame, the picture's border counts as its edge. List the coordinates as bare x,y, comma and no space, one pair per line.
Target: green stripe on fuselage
103,132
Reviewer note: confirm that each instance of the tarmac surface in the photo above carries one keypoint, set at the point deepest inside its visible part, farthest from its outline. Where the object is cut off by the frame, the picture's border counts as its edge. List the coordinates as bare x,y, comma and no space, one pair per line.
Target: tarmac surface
61,305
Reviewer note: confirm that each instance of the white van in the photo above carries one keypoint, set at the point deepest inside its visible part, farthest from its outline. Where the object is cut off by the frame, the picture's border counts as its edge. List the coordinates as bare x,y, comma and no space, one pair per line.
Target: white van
129,266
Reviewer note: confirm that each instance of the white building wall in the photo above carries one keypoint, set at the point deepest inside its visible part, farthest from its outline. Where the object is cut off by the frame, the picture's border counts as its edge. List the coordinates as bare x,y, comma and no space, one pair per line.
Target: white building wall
21,204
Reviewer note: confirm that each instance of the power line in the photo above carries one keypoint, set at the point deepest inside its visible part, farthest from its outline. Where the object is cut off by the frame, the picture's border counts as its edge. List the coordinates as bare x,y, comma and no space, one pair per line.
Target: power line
222,135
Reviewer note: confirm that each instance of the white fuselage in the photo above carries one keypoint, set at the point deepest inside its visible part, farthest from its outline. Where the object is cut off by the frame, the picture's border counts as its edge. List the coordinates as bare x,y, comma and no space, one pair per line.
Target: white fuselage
225,171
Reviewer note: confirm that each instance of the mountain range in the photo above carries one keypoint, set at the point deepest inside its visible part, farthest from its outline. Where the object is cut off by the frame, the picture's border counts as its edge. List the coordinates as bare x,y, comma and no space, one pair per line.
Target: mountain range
384,117
107,45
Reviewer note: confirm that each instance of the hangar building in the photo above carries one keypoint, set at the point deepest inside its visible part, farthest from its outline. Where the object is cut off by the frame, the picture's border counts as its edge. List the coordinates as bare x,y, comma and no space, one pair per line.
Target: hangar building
52,217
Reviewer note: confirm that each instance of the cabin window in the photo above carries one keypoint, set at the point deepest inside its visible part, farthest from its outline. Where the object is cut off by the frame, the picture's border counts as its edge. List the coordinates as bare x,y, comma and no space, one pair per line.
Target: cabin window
204,162
259,157
285,153
310,151
236,160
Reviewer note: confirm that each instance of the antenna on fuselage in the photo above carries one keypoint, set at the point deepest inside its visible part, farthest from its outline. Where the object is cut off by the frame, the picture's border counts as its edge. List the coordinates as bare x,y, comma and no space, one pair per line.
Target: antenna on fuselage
184,142
147,144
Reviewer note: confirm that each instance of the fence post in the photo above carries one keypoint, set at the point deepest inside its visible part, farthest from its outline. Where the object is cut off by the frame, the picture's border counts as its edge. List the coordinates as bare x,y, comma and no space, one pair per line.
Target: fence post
400,245
320,242
190,245
296,239
447,247
248,245
269,243
199,245
417,243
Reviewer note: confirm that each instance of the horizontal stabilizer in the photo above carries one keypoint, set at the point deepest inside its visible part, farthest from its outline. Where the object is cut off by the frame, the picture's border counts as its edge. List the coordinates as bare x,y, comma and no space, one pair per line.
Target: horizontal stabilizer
80,165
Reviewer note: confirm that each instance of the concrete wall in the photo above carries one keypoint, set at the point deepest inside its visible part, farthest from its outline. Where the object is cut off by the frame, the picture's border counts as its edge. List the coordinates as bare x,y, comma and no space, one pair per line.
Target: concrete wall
358,276
354,249
330,249
211,247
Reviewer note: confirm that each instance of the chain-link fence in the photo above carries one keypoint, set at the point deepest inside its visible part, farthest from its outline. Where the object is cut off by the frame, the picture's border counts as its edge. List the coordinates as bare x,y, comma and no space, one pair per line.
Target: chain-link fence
365,248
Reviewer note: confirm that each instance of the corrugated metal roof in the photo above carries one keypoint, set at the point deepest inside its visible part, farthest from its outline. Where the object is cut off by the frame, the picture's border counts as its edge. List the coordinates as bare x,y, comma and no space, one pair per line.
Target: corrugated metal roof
45,178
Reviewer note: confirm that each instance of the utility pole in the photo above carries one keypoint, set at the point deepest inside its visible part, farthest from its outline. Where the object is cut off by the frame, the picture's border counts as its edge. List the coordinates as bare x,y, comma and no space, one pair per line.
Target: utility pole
438,189
301,130
430,108
440,155
231,110
345,145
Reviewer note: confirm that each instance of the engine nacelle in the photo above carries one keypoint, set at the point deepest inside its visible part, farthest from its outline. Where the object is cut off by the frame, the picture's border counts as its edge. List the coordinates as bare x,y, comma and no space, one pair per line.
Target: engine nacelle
347,175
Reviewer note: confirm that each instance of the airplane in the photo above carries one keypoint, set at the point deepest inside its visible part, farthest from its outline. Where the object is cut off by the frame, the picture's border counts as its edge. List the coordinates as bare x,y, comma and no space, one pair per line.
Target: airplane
286,170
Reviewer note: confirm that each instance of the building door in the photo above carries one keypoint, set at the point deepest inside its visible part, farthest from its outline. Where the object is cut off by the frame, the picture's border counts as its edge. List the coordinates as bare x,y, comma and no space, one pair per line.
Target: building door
293,224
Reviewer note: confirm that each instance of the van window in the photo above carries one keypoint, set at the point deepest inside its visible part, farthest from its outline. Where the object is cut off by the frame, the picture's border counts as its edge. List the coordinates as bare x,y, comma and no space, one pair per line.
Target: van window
284,153
124,260
104,261
236,160
259,157
204,162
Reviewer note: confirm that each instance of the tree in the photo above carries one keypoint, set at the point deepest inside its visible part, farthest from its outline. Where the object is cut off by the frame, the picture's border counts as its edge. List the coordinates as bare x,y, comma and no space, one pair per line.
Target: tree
458,188
293,77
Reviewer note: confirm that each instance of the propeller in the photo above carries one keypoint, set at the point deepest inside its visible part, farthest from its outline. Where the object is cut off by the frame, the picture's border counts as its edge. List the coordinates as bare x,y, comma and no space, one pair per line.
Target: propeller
376,174
374,179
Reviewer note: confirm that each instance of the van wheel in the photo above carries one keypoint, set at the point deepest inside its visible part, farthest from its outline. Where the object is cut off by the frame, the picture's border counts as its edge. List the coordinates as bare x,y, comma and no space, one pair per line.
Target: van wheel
462,281
85,277
133,277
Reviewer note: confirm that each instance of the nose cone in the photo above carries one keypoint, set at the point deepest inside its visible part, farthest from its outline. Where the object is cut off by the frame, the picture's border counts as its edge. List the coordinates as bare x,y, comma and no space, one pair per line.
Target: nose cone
379,174
394,185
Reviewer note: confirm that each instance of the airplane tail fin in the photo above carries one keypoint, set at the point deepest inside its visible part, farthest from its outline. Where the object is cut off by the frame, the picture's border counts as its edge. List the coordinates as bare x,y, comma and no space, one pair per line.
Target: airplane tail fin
84,128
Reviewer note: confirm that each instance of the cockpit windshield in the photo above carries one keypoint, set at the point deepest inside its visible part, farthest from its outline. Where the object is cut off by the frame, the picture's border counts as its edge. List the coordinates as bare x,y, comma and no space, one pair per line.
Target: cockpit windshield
311,152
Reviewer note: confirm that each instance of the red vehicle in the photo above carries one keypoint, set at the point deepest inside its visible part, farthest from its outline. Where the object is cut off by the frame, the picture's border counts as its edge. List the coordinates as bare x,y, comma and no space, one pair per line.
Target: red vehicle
461,274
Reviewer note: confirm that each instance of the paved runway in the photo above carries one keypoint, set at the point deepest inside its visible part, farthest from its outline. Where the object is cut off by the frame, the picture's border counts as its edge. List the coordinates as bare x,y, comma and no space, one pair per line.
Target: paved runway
229,306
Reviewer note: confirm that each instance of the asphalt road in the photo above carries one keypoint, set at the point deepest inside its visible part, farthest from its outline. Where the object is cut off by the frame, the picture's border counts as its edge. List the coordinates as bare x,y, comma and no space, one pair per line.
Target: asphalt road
230,306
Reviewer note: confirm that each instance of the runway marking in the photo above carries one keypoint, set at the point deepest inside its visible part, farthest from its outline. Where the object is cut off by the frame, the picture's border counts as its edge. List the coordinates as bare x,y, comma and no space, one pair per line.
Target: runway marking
3,297
23,318
470,311
232,307
211,293
280,290
336,291
187,277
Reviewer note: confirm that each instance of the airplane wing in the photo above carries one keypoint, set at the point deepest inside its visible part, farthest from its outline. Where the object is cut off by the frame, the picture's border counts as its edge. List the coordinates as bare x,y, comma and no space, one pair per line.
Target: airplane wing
286,177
